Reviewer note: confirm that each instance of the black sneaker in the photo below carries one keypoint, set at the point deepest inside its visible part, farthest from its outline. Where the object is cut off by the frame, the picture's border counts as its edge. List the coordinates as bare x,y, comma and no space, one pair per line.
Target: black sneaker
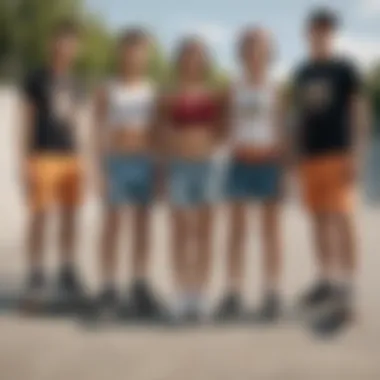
270,310
334,321
143,303
319,294
107,303
70,295
69,284
36,281
35,292
230,308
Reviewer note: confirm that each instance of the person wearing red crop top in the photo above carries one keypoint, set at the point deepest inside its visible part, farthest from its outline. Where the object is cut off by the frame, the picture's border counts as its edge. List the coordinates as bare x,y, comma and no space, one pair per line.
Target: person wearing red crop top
191,116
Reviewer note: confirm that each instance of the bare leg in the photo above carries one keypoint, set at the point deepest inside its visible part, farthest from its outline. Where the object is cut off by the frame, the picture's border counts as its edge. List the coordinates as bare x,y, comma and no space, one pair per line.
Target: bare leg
35,240
322,291
108,259
141,233
272,248
345,228
323,244
236,247
67,236
204,217
180,241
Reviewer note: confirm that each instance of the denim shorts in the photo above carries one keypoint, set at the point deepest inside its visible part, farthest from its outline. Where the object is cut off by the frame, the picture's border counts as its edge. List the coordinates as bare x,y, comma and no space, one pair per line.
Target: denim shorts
130,179
261,181
190,182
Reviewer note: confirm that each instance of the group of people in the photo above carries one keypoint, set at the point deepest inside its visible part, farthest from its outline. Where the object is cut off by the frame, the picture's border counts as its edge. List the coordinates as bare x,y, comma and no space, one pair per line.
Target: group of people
154,143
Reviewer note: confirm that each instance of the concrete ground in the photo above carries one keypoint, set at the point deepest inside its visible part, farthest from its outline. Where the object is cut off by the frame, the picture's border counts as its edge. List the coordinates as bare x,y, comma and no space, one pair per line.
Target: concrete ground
63,349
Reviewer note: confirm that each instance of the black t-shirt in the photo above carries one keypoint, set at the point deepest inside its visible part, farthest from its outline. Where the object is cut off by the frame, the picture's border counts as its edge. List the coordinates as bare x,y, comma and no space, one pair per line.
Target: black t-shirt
323,95
55,102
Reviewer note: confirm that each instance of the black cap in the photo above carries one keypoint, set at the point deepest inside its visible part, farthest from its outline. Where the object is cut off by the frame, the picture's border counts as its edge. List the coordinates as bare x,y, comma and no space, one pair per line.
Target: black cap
323,17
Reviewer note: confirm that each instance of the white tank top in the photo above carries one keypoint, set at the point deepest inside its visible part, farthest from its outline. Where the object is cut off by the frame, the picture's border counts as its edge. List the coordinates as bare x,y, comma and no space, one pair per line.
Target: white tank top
130,106
253,116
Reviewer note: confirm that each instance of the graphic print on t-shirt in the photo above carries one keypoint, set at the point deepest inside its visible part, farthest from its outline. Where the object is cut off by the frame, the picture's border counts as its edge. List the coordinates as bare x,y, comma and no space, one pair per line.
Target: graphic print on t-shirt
63,107
317,95
252,106
56,102
323,100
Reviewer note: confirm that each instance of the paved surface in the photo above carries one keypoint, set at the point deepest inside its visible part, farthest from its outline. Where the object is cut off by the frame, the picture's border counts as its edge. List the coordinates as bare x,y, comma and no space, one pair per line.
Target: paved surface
65,350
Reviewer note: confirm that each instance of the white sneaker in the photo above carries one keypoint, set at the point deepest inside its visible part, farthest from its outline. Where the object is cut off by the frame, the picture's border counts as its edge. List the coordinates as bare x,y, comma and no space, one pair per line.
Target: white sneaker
181,307
200,307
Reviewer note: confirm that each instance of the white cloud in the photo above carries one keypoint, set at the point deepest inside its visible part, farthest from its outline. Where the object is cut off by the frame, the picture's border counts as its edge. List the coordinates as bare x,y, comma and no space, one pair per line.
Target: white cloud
365,50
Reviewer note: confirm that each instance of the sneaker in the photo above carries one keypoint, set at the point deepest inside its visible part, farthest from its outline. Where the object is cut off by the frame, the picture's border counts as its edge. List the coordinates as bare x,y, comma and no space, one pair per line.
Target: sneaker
181,309
34,293
69,285
319,294
70,295
36,281
200,307
194,308
107,303
334,321
230,308
143,302
270,310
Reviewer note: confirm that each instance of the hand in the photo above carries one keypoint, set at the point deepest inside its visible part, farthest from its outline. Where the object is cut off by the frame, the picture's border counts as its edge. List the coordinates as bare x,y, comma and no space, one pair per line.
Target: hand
289,181
101,185
25,177
160,184
351,169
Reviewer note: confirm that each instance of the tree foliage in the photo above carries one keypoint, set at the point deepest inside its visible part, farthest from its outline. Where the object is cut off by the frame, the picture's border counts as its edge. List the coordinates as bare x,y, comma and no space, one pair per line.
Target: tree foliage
374,90
26,26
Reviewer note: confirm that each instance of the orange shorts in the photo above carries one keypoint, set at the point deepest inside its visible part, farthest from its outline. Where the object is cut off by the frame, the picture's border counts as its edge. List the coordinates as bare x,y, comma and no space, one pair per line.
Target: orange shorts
327,183
54,179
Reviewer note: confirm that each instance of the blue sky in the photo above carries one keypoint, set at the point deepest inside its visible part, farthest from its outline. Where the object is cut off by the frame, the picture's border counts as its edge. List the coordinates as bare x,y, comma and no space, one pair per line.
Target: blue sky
219,21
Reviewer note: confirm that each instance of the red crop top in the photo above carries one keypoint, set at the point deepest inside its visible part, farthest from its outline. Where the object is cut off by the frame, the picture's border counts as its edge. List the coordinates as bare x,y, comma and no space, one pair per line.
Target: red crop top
186,110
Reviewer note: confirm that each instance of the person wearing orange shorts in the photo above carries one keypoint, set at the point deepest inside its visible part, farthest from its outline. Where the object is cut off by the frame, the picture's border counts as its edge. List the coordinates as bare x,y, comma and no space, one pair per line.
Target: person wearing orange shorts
51,168
328,183
329,101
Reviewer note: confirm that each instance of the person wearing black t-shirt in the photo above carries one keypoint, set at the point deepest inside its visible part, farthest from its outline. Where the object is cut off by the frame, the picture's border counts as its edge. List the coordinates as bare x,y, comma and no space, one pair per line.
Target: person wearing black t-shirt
329,109
50,165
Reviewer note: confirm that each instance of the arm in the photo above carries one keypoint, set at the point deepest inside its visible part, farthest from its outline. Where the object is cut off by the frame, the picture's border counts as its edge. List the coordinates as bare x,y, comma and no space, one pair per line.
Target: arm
225,115
27,121
286,148
160,130
360,117
161,139
97,140
361,123
281,125
26,129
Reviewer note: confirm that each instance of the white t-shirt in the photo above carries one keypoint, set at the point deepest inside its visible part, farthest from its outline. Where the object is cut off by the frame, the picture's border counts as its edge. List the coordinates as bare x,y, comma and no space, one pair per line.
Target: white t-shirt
130,106
253,115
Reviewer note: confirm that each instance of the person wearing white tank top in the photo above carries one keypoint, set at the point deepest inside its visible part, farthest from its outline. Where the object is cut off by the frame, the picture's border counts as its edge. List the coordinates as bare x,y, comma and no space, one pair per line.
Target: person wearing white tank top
124,119
254,173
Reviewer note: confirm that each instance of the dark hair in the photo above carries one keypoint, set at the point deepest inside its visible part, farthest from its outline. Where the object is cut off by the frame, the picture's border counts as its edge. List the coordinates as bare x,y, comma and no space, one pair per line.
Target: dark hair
323,17
249,35
134,36
66,28
191,43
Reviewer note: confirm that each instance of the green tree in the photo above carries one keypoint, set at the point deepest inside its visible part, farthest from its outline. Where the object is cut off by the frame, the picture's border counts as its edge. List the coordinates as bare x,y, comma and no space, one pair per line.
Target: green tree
374,91
26,26
97,52
33,23
7,35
